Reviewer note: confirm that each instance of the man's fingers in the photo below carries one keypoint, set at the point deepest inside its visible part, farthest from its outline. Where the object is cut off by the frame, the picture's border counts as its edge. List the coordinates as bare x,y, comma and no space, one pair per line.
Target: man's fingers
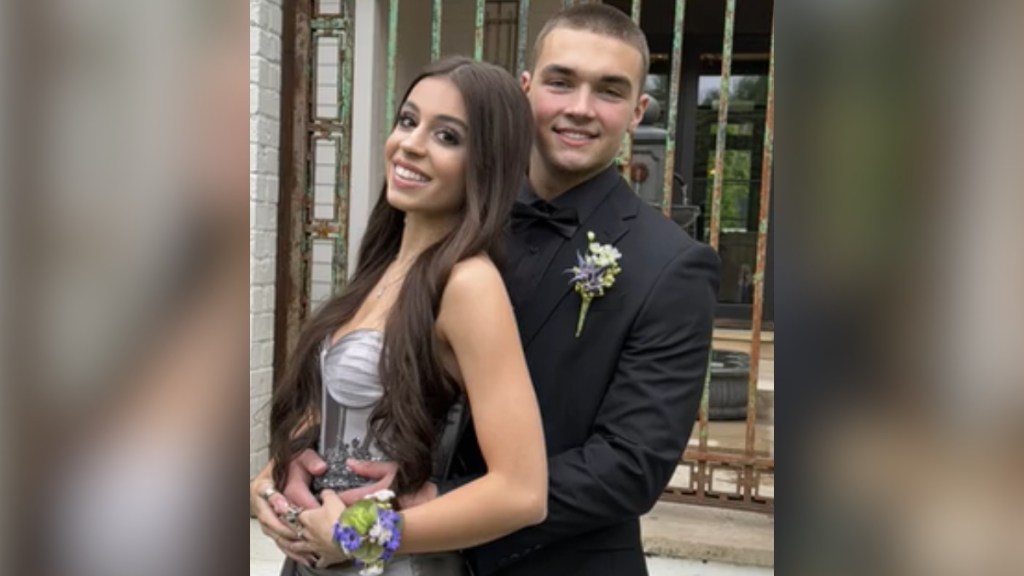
298,493
312,462
375,470
383,472
350,497
301,470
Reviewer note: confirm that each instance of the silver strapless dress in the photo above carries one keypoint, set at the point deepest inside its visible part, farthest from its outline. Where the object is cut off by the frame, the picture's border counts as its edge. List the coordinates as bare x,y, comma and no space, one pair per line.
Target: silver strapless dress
351,384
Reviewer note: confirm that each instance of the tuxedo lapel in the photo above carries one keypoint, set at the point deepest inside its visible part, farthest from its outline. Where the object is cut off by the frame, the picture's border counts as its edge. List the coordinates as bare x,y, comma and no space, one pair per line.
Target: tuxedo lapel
610,222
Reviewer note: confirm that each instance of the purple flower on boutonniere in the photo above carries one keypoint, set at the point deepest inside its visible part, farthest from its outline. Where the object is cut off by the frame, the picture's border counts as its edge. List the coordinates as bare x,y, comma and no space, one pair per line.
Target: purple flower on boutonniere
593,274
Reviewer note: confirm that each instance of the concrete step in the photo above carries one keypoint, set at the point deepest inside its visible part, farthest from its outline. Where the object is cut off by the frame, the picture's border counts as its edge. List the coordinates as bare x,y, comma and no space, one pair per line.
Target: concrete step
710,534
735,340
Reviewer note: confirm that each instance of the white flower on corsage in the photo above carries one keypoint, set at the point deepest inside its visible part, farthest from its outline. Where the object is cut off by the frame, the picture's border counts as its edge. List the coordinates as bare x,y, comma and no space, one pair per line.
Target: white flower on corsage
593,274
381,495
370,531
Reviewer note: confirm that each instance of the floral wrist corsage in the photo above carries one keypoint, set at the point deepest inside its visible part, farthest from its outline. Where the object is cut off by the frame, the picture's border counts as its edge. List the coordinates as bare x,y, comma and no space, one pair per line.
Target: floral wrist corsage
370,532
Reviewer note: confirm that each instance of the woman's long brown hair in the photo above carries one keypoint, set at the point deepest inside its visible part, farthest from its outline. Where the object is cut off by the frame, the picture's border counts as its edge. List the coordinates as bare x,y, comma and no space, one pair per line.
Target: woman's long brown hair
418,389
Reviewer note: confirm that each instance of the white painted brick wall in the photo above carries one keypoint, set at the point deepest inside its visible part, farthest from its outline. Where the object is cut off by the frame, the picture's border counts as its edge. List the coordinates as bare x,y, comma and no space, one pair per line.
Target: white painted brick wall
264,151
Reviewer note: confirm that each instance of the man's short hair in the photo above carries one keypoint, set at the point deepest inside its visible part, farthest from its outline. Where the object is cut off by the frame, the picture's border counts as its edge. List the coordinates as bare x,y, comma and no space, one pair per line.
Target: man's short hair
599,19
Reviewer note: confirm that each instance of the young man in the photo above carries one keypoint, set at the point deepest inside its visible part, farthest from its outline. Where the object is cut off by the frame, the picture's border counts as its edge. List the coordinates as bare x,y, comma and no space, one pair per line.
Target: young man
619,397
618,401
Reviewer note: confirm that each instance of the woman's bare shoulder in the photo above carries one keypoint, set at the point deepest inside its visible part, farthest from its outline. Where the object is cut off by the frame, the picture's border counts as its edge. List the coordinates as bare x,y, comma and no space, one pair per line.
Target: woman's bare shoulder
474,274
475,291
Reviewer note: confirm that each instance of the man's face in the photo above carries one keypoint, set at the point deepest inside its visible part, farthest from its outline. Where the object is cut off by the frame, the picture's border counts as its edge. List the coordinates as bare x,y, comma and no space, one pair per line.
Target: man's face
584,93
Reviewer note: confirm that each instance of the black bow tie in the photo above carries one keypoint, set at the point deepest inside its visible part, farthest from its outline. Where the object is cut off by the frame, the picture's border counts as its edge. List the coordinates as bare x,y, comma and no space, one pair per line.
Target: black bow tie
564,220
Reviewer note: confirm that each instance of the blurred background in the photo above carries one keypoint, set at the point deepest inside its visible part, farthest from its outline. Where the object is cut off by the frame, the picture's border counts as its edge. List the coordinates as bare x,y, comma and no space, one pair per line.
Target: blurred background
124,281
902,199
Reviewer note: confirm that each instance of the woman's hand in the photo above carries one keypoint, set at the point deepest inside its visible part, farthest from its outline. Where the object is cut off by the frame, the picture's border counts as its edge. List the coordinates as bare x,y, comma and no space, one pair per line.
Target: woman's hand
269,506
318,529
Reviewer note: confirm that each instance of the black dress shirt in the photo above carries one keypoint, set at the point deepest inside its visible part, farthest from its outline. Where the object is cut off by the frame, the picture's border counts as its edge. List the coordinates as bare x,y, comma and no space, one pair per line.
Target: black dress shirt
534,242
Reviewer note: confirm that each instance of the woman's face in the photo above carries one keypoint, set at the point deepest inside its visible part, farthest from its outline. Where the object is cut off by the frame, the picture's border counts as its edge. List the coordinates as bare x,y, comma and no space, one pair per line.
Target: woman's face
428,150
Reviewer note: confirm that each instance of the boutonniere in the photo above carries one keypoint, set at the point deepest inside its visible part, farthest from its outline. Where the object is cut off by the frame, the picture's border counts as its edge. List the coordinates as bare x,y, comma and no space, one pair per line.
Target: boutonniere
593,274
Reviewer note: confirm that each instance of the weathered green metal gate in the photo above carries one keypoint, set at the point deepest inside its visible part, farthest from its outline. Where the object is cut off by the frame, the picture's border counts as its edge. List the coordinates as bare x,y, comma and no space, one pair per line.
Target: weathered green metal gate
315,160
315,178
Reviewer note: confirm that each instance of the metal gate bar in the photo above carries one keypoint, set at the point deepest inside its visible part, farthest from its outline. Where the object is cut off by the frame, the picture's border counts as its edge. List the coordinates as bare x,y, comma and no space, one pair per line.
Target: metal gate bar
302,228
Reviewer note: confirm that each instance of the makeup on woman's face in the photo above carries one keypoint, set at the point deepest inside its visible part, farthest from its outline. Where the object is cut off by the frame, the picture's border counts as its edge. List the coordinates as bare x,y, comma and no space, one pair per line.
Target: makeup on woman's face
428,149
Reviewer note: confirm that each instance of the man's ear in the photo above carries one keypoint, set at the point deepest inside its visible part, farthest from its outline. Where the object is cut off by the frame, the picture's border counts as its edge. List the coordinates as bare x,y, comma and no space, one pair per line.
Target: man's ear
638,111
524,82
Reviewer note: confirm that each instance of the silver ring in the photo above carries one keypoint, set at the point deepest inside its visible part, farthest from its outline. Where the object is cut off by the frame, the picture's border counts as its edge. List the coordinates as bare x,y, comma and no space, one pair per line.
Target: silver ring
292,515
267,493
301,533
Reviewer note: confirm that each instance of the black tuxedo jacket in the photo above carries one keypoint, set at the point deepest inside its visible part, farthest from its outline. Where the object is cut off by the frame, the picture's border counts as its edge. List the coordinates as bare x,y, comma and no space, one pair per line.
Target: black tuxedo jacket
619,402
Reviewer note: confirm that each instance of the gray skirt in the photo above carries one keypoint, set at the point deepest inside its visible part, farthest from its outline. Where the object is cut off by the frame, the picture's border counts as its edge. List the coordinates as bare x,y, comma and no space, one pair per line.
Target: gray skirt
442,564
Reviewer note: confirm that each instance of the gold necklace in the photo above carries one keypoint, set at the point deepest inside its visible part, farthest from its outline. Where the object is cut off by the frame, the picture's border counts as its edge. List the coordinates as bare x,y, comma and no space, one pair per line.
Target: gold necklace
379,292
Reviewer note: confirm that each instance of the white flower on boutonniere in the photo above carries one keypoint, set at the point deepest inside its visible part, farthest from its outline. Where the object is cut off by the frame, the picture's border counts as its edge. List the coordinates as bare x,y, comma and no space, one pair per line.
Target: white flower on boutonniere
593,274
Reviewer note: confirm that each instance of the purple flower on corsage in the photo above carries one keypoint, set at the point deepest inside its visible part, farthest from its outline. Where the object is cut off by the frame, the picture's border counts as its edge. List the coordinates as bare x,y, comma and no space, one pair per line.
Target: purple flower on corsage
348,538
391,546
593,274
388,519
394,542
369,531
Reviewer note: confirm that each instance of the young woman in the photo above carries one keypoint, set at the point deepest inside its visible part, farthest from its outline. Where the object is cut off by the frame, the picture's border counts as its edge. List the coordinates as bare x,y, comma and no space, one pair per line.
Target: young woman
424,320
